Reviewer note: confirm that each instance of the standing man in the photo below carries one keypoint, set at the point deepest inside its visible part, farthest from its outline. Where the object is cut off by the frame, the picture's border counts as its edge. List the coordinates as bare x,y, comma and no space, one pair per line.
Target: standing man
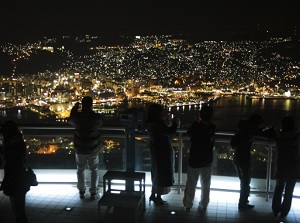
202,135
86,144
241,142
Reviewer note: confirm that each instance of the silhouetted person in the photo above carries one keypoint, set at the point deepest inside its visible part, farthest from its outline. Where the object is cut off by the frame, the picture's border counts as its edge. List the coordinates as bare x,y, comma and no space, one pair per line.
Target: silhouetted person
86,144
241,142
287,166
202,135
161,151
1,156
14,183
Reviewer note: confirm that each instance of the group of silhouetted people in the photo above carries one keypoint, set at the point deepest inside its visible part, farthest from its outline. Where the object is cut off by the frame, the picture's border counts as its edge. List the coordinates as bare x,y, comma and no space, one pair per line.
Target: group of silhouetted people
202,138
287,160
161,128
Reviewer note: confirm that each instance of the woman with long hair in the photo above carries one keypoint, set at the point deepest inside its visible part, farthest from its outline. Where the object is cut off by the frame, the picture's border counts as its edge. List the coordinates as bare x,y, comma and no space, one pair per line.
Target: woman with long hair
162,163
14,183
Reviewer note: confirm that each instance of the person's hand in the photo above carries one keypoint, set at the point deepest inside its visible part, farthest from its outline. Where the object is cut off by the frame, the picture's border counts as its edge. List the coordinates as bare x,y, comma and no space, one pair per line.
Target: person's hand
176,121
77,105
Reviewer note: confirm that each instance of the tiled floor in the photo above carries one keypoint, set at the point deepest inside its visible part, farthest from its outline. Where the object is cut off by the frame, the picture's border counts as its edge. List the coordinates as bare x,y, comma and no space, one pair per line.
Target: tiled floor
46,203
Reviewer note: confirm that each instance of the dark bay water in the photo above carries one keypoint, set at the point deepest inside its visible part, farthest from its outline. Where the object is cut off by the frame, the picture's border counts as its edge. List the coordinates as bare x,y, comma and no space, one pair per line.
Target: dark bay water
20,116
227,112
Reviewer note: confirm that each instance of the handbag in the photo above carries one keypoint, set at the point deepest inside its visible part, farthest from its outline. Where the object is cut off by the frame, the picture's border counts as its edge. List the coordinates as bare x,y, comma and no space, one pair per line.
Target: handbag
31,177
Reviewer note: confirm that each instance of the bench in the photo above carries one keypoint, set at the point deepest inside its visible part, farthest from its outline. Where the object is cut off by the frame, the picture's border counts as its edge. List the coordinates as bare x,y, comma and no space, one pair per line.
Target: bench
116,197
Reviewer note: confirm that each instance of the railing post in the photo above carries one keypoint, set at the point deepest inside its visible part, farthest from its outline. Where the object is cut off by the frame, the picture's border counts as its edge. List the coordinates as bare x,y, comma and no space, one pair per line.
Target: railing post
179,163
269,169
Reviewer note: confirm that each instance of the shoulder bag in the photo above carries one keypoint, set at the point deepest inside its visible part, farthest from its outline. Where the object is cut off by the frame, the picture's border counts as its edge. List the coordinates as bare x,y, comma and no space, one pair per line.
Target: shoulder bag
31,177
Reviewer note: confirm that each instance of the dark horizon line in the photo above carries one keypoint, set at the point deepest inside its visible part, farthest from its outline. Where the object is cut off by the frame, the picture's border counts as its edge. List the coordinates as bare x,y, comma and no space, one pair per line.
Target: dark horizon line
22,36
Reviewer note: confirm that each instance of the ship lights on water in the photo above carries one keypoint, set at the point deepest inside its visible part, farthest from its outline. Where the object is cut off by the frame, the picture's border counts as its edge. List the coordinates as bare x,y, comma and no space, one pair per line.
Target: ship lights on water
287,93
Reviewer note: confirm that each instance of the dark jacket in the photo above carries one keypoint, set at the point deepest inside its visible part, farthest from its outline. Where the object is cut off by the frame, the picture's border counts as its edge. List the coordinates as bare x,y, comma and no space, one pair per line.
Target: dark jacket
202,136
14,170
242,142
287,164
161,152
87,135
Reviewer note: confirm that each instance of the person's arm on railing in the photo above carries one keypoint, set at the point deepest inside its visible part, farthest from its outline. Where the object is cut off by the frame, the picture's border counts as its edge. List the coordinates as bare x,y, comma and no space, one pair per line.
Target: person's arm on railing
73,112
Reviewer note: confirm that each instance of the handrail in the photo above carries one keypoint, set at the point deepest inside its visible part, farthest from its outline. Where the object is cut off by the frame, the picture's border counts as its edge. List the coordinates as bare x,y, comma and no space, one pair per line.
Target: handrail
221,136
269,167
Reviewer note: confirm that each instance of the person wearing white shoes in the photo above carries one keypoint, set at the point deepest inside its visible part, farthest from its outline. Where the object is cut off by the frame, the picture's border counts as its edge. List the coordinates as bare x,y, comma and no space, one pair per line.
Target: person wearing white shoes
202,135
86,144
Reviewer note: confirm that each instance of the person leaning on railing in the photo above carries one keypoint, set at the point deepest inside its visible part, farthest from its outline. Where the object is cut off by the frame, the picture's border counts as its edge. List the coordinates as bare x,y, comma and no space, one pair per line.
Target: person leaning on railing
242,142
287,166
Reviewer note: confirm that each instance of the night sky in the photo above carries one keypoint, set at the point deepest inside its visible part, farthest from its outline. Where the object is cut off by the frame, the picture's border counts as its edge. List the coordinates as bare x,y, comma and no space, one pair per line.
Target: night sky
23,19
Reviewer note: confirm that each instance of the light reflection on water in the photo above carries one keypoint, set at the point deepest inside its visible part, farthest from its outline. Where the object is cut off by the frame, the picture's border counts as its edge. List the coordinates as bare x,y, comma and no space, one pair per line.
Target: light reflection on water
19,115
227,112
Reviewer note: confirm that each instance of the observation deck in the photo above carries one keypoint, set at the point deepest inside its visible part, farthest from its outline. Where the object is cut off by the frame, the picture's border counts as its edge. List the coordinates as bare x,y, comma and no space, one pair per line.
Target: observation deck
51,156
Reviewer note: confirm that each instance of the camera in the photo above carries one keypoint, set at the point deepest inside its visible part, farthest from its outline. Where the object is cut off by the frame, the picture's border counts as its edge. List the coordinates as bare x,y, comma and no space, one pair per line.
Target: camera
127,118
77,105
134,117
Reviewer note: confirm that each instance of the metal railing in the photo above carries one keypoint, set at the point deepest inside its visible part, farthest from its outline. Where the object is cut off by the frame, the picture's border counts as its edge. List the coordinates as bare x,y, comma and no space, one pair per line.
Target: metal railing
120,132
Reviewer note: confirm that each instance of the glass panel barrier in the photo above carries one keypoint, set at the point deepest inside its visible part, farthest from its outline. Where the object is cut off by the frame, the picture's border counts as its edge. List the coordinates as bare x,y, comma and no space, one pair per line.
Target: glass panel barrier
51,155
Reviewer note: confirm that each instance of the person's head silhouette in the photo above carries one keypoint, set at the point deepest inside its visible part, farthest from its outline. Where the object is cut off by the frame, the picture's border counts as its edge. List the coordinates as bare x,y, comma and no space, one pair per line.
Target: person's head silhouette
87,102
287,123
206,113
9,128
